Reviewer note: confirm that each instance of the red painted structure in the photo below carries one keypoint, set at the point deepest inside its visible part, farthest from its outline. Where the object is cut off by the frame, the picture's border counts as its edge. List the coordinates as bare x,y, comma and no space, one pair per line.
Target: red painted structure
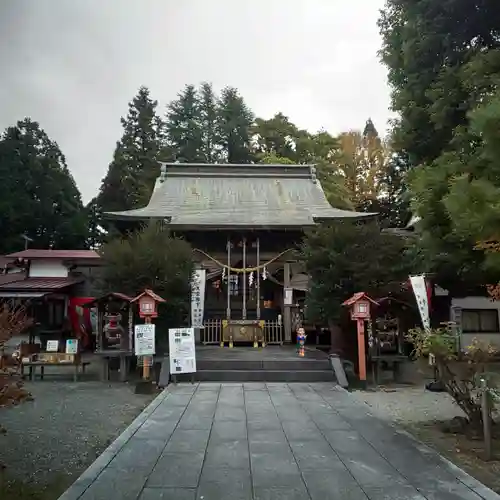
80,318
360,305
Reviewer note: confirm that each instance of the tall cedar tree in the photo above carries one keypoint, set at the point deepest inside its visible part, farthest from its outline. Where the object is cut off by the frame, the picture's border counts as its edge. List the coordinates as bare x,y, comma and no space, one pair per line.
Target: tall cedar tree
443,62
235,121
348,257
38,195
94,218
210,149
132,173
184,127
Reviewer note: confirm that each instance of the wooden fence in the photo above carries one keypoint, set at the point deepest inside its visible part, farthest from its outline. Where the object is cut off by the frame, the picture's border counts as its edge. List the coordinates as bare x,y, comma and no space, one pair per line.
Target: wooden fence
212,333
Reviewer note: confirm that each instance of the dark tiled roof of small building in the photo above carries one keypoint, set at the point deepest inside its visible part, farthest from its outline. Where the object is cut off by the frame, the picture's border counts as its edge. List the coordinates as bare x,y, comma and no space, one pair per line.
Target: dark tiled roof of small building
108,298
228,195
4,261
12,277
41,284
34,253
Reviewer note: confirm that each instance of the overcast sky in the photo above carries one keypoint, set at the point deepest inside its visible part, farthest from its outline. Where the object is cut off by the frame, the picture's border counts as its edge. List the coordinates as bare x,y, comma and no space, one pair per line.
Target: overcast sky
73,65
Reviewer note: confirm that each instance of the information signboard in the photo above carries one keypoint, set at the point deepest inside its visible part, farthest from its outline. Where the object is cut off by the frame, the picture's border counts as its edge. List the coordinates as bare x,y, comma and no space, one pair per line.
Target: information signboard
182,351
52,345
144,336
71,346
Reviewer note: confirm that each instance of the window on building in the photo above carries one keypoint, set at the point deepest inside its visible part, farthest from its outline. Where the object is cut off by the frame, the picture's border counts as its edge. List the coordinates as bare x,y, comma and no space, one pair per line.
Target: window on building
480,321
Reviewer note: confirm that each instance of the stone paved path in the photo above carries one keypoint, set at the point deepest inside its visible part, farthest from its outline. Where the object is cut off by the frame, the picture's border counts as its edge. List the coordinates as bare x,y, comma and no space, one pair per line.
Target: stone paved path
268,442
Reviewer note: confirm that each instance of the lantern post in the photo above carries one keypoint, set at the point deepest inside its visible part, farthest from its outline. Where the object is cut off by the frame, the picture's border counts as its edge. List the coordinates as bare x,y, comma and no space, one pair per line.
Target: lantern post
360,305
148,308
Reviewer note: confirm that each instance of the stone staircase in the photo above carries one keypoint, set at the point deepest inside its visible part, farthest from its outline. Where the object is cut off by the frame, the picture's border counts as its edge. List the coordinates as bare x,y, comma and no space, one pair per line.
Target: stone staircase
269,364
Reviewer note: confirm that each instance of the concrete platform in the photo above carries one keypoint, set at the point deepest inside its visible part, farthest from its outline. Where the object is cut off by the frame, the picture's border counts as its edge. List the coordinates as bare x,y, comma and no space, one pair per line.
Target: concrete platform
268,353
258,441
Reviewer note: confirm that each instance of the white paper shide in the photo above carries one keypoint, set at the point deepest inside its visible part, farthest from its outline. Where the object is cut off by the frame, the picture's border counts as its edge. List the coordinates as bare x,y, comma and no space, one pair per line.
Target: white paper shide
144,340
420,290
182,350
198,298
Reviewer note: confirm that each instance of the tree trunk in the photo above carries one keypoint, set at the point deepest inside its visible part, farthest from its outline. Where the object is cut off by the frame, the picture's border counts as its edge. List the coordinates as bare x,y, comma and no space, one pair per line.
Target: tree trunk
336,339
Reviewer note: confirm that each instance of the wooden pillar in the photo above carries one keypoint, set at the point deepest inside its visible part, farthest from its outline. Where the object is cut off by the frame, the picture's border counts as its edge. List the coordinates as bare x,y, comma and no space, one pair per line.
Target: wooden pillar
130,328
287,313
258,278
146,359
244,309
361,350
228,305
100,327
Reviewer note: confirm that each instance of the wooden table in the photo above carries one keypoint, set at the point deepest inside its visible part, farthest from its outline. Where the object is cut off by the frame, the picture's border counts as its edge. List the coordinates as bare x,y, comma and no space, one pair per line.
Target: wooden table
32,365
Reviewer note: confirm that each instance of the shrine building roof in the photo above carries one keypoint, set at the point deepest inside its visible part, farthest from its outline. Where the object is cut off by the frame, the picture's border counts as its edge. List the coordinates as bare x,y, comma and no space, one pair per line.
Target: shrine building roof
216,196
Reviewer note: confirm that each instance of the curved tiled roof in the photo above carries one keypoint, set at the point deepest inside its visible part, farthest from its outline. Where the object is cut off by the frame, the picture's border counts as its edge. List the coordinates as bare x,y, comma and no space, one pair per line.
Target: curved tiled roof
228,195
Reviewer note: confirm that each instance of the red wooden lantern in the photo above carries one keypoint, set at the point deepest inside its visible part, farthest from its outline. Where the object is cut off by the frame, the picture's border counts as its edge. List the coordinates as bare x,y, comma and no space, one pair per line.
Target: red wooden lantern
360,305
148,301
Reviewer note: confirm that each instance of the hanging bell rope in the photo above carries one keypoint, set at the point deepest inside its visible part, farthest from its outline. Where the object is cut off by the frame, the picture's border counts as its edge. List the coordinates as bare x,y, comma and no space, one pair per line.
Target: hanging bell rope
242,269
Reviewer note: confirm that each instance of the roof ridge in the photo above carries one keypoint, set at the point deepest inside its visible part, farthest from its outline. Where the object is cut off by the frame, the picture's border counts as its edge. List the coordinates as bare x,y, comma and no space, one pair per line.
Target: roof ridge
235,165
233,170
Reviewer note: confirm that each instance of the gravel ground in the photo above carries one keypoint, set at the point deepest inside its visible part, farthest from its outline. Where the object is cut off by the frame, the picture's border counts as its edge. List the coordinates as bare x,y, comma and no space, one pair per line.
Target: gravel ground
409,405
60,433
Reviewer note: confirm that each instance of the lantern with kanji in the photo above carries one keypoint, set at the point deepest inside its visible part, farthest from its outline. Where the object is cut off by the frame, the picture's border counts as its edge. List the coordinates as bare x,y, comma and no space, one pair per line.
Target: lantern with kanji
148,304
360,307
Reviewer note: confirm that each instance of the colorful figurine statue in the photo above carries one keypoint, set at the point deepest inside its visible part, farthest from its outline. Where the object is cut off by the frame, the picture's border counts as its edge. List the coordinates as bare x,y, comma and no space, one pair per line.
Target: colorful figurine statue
301,340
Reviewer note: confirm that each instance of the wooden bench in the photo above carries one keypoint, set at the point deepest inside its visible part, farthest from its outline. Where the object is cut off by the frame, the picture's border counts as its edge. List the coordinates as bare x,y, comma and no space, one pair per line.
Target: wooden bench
32,365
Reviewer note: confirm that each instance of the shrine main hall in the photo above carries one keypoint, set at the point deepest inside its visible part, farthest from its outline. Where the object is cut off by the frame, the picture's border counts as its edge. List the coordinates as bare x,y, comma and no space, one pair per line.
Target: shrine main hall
244,223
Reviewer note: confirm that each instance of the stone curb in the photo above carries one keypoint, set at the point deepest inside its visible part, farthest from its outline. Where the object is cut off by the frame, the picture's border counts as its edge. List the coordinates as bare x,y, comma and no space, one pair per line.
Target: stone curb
475,485
78,488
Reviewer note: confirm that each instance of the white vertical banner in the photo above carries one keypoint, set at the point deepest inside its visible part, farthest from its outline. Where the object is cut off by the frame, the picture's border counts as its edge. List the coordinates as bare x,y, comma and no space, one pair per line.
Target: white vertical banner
198,298
420,290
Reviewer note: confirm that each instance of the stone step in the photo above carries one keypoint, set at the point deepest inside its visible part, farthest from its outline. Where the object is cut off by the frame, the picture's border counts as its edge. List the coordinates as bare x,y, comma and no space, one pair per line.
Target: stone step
265,376
299,364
